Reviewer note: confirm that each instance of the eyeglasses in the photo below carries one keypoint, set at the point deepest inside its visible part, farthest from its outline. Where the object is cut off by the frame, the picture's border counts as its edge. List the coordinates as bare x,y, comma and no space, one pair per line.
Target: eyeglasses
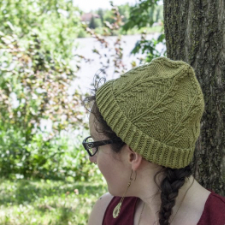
91,146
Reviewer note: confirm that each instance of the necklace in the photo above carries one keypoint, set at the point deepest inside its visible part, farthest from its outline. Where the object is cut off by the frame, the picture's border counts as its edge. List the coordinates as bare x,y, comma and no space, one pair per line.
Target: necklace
177,209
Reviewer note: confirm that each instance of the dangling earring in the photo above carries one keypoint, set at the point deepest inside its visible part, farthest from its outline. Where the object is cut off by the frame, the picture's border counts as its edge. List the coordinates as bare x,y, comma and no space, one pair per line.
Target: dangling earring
116,210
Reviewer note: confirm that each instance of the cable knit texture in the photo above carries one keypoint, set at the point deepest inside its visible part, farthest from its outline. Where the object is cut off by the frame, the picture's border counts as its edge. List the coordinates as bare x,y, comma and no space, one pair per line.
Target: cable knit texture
155,109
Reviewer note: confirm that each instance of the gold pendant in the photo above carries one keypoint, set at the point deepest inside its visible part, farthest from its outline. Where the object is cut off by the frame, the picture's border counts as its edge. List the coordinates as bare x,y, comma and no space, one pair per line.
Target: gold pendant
116,210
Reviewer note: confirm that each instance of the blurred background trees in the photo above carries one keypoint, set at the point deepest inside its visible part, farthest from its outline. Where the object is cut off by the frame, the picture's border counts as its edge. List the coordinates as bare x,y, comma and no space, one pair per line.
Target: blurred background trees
56,22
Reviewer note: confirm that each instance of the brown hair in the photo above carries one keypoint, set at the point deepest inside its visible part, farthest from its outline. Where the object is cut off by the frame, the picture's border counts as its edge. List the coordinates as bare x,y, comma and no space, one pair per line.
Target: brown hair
103,127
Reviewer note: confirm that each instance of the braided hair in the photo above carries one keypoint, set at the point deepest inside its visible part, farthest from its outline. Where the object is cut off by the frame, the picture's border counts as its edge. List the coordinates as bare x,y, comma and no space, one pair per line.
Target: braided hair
173,180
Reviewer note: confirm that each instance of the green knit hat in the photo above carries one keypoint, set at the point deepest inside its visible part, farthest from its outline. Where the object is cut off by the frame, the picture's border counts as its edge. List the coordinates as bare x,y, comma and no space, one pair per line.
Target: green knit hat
155,109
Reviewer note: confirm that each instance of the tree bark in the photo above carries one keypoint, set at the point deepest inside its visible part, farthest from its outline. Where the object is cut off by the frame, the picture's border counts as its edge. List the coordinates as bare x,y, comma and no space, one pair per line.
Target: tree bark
195,33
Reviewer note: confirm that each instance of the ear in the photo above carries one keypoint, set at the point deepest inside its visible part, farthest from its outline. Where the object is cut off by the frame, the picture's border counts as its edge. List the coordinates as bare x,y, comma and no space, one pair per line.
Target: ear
134,159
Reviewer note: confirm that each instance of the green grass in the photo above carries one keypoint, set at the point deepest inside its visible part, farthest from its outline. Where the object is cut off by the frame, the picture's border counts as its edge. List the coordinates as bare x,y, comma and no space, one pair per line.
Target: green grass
24,202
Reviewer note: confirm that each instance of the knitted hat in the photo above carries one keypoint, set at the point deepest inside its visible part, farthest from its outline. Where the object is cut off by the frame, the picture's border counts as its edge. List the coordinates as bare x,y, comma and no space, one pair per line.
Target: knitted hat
156,110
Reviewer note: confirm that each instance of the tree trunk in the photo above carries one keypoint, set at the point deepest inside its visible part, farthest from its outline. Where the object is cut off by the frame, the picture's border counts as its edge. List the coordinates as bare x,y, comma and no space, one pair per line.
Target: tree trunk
195,33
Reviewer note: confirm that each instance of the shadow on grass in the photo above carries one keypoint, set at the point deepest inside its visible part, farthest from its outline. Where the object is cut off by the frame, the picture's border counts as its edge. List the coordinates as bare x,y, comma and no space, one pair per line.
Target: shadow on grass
25,192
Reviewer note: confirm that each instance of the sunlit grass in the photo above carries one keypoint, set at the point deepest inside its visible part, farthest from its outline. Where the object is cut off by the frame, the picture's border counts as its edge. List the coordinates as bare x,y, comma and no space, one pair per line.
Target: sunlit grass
24,202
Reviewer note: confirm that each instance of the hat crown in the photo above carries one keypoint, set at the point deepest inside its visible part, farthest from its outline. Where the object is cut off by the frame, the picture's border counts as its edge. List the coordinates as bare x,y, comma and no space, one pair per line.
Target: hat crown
160,105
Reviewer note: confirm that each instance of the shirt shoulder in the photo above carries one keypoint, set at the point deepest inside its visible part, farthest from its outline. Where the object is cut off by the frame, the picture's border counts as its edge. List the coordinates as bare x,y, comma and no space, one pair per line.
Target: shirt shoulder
214,211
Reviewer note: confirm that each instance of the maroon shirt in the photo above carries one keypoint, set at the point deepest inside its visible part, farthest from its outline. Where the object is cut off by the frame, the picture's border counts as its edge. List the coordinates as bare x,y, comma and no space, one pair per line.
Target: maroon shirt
213,213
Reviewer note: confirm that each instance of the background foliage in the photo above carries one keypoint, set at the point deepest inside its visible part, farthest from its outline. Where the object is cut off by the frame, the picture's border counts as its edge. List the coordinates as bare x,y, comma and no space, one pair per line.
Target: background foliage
35,82
145,14
136,19
55,22
41,116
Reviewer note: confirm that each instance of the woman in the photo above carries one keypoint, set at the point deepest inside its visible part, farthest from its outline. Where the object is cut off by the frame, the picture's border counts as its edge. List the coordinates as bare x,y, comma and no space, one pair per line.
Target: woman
143,129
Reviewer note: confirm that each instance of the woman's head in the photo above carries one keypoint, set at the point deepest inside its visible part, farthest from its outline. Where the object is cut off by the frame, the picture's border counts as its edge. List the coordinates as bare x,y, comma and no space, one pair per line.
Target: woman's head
155,111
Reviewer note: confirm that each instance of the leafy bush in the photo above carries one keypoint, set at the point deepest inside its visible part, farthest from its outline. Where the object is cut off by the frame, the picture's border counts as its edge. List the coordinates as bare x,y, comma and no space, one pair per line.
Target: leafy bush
56,158
34,88
36,75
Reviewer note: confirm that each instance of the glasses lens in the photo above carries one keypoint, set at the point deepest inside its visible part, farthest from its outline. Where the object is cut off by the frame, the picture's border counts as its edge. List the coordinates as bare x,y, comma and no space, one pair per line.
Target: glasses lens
93,150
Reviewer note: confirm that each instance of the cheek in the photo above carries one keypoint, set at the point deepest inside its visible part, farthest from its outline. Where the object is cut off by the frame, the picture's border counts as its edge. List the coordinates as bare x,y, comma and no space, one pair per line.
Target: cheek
106,165
112,169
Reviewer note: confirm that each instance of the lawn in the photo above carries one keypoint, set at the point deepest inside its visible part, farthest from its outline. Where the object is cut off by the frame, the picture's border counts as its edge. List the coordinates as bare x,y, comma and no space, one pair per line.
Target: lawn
41,202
